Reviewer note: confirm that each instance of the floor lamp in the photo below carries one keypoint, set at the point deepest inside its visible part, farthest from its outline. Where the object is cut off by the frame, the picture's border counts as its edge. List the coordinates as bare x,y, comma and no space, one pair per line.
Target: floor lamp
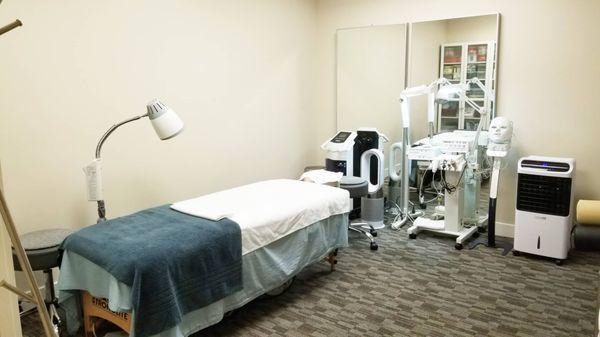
36,296
166,124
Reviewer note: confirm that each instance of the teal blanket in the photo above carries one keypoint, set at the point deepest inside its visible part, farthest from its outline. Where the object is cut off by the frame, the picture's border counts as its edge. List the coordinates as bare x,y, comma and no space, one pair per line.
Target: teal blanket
173,262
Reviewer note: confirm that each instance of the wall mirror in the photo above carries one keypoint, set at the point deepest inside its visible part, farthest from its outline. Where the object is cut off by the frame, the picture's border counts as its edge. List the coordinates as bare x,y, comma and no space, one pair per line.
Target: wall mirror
459,50
371,65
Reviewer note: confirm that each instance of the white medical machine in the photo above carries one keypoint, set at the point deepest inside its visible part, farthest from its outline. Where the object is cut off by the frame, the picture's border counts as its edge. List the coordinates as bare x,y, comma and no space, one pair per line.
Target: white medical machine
360,154
454,167
544,211
500,135
340,153
345,150
455,154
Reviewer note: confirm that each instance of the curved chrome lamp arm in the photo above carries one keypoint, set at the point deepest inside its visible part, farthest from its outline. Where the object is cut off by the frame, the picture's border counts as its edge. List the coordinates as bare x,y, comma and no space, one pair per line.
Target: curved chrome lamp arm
101,203
111,130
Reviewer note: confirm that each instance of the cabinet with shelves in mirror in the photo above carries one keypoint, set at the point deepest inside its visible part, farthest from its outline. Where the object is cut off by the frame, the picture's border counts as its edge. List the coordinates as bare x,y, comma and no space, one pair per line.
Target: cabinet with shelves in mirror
459,63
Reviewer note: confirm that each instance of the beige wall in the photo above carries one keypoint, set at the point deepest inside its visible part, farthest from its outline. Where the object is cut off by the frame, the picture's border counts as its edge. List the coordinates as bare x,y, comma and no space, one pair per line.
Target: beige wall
547,76
240,74
370,74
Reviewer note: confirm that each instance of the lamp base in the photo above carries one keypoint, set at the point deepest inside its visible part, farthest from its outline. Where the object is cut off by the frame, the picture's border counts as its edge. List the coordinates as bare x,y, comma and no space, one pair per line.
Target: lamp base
498,244
101,211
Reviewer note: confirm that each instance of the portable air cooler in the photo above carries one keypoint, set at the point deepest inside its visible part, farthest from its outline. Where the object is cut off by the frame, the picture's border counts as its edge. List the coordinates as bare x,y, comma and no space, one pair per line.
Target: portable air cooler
544,212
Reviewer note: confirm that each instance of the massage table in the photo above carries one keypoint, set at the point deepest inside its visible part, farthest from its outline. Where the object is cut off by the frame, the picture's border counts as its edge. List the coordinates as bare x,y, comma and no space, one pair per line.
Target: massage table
286,225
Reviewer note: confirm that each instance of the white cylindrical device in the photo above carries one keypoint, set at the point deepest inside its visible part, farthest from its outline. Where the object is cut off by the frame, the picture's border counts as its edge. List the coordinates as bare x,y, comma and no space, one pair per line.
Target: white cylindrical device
392,161
365,169
405,110
93,177
431,107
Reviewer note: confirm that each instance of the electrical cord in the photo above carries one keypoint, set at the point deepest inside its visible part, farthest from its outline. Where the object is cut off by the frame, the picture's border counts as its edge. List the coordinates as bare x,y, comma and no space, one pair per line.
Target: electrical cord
449,188
422,191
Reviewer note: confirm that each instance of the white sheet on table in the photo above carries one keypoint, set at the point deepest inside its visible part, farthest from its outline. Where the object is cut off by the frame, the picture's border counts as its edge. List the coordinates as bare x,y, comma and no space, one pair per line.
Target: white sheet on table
269,210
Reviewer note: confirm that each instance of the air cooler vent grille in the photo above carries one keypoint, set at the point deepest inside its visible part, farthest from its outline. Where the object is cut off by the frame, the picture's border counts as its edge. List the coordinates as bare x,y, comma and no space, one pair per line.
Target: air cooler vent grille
543,194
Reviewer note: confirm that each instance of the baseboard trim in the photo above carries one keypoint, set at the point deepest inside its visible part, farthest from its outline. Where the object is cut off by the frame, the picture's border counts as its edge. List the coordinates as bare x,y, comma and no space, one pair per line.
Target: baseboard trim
506,230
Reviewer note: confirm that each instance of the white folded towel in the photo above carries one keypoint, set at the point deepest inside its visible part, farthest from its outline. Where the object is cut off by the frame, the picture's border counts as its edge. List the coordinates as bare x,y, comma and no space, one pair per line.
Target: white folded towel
322,176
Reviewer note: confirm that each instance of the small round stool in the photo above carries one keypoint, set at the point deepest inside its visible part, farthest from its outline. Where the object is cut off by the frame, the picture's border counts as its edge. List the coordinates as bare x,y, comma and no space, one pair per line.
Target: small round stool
358,188
41,248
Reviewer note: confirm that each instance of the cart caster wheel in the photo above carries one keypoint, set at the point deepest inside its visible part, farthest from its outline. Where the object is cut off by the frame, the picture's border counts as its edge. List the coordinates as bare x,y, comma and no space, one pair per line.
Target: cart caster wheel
374,246
481,229
458,246
373,232
516,252
423,206
559,262
412,236
475,235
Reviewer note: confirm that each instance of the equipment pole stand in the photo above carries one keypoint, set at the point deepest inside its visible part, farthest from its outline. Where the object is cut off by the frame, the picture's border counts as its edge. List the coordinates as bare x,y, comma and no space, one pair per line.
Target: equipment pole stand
491,241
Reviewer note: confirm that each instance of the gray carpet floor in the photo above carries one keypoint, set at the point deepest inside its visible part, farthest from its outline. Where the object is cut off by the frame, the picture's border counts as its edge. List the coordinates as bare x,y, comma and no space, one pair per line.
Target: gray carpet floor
423,287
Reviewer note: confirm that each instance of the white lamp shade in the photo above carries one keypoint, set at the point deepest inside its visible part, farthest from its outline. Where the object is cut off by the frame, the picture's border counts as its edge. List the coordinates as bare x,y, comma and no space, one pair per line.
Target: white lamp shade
165,121
449,93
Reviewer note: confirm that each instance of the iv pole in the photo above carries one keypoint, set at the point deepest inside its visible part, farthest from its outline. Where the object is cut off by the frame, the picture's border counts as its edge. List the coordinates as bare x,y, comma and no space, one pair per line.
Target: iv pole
36,296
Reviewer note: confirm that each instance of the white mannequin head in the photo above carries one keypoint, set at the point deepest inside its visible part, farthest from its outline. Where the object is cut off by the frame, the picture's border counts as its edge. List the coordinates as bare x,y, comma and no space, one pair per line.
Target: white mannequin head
501,130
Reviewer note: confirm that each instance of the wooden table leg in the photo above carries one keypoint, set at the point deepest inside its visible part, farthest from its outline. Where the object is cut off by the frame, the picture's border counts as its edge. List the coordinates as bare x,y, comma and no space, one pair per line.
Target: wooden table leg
87,326
97,308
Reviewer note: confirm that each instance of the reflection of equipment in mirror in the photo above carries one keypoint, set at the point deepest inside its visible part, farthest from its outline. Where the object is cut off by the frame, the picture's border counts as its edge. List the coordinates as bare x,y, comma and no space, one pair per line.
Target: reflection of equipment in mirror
463,62
359,156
